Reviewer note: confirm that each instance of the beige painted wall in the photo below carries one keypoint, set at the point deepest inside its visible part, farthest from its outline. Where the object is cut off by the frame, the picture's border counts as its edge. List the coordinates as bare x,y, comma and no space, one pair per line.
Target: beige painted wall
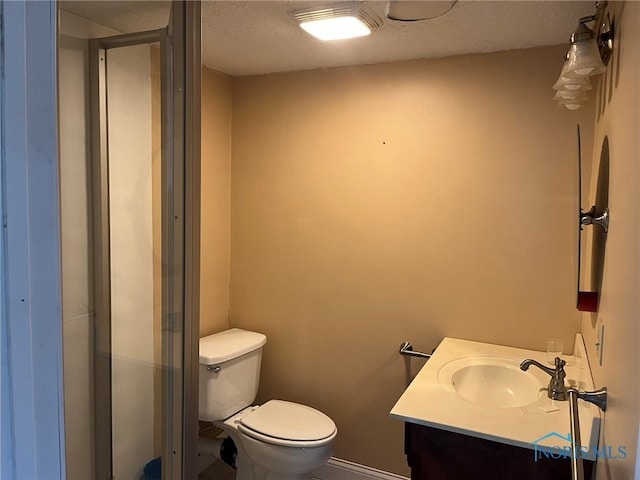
619,119
215,214
407,201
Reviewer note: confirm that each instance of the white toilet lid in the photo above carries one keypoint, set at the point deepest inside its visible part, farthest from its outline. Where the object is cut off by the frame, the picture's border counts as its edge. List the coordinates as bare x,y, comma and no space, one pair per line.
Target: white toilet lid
286,423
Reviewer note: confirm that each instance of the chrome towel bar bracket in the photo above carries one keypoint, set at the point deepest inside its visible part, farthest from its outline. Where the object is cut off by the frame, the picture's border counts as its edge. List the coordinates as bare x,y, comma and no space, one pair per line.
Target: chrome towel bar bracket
407,349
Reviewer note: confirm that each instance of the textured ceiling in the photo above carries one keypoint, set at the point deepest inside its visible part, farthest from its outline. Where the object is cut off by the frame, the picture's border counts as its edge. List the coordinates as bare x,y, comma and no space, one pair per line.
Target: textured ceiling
257,37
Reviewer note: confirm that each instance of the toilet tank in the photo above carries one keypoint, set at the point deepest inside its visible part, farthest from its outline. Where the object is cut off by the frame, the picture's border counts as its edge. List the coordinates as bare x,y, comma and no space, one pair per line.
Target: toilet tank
229,372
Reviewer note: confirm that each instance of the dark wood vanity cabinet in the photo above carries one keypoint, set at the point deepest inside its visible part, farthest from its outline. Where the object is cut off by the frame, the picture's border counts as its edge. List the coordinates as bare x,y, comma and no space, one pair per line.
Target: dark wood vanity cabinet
435,454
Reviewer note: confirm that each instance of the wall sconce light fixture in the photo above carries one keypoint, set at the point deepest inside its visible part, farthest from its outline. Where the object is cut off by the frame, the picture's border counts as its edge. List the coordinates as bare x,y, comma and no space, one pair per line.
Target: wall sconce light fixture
338,21
588,56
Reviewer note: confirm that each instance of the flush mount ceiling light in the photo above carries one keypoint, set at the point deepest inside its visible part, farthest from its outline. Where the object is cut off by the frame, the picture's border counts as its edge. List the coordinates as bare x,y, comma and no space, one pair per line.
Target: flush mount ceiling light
337,22
588,55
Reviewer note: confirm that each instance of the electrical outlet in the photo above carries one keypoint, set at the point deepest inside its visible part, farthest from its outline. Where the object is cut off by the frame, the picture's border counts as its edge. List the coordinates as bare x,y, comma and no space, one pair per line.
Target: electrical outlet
600,339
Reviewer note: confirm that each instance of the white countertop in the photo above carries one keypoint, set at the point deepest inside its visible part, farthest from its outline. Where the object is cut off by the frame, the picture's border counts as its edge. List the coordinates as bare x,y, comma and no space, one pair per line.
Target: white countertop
429,401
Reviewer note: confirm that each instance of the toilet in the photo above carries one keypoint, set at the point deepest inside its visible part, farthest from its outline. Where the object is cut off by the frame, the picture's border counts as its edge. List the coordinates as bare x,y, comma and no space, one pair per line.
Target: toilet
278,440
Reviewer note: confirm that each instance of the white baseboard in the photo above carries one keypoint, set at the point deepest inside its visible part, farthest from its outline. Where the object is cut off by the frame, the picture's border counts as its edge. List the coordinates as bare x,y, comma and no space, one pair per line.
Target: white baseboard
338,469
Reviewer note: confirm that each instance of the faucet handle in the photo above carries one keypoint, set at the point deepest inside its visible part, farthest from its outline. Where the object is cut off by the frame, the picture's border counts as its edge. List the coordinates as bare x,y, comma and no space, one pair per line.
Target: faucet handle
559,363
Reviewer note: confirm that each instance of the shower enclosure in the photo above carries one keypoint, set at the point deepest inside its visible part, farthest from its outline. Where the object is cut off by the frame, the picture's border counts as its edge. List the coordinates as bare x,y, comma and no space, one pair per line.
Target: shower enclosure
129,154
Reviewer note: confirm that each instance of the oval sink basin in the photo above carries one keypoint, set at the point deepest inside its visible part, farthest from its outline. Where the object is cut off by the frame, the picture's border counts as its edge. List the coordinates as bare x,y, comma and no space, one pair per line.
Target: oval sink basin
492,381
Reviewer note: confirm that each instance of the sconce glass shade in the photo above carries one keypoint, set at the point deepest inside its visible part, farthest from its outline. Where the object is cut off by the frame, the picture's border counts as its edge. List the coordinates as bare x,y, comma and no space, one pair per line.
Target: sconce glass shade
573,95
567,83
584,58
570,104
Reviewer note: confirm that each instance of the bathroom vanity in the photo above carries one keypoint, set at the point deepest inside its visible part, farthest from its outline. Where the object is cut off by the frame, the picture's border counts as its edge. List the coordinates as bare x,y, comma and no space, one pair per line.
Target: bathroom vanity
436,454
471,412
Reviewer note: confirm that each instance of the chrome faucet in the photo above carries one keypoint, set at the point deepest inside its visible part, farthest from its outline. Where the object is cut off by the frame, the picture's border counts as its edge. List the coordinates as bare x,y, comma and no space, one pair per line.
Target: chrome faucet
556,389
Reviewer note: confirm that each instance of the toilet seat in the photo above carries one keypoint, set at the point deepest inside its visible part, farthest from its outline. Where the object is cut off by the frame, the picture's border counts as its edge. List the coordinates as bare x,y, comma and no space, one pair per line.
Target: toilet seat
288,424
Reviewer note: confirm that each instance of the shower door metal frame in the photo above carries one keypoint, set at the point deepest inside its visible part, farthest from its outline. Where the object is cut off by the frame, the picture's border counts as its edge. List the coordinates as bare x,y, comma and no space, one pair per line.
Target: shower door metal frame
180,191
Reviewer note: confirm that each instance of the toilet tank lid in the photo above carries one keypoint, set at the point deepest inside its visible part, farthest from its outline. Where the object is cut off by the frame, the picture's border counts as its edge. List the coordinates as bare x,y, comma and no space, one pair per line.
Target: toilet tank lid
224,346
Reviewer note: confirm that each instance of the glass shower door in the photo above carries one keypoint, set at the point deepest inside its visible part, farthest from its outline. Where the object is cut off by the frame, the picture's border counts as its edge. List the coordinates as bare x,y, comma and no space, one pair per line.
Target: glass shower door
145,242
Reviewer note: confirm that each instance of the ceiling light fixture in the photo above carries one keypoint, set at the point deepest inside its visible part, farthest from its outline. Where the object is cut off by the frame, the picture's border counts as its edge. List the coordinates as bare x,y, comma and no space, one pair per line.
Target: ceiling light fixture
588,56
337,22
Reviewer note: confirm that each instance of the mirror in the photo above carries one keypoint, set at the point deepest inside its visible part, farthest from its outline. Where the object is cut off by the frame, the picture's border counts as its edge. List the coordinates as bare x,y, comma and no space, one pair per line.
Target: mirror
597,216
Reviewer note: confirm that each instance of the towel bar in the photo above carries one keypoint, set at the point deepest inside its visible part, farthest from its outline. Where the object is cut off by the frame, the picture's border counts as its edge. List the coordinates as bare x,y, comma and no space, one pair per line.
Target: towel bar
407,349
598,398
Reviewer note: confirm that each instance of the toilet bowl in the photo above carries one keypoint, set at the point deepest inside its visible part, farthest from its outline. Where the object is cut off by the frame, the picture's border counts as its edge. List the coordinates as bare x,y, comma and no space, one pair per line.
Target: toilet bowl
283,440
278,440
